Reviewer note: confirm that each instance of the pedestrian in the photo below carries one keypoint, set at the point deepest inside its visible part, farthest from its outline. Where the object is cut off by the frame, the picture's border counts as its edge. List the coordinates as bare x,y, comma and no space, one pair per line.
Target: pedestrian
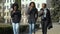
32,16
16,17
45,18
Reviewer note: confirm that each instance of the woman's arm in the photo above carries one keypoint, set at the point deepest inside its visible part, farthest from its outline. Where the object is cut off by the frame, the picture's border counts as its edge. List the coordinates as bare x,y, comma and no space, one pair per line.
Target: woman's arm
36,14
12,14
40,13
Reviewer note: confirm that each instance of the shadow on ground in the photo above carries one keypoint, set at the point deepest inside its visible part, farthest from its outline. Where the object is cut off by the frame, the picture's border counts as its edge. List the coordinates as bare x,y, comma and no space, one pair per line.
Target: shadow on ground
24,29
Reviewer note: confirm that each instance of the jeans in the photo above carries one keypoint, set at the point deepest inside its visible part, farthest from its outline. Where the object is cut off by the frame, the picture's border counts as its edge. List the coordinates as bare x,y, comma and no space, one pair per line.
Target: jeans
15,28
44,26
31,28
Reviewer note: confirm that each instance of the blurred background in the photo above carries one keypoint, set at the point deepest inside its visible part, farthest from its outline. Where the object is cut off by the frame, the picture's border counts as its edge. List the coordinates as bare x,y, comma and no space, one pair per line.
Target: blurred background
5,6
5,19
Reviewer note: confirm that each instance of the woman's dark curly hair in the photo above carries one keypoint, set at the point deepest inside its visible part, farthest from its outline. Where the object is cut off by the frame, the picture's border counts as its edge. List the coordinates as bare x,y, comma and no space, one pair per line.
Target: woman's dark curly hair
33,3
15,4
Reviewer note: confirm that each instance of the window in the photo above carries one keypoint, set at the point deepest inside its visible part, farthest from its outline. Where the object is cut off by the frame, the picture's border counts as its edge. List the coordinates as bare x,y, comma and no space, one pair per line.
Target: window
26,0
4,1
38,5
7,7
10,0
26,6
22,0
4,7
13,0
11,5
7,1
22,5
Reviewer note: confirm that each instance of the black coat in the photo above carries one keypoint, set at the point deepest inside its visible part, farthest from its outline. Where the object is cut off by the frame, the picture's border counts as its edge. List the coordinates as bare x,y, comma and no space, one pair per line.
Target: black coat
32,13
48,18
16,17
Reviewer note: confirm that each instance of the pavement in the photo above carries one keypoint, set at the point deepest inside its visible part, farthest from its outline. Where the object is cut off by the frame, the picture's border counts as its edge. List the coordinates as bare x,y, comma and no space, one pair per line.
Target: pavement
54,30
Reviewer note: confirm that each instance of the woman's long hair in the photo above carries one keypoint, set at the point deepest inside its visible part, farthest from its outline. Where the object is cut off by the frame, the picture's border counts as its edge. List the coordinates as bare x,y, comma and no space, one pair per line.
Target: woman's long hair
15,4
33,4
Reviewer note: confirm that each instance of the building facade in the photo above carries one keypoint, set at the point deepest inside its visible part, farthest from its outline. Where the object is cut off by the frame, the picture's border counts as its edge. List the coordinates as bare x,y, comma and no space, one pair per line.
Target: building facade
25,3
1,9
7,5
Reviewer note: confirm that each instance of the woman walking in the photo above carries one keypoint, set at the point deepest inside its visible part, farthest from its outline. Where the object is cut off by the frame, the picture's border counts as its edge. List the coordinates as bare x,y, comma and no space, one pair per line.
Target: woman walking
32,16
16,17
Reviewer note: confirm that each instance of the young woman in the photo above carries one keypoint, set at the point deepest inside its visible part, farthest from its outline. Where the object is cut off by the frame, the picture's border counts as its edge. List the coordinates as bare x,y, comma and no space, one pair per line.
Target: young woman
16,17
32,16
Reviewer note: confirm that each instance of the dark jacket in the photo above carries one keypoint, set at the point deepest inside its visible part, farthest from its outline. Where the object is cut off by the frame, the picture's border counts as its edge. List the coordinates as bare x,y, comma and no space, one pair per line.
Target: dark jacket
47,19
16,17
33,15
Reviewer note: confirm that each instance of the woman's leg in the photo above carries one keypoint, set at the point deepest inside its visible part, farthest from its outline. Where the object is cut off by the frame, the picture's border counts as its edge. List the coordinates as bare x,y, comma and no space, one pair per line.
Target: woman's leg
30,28
14,29
17,28
33,28
44,28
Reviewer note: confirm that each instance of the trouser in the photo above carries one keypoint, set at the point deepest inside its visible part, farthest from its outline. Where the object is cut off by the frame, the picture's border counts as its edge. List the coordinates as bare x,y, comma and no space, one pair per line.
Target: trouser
31,28
15,28
44,27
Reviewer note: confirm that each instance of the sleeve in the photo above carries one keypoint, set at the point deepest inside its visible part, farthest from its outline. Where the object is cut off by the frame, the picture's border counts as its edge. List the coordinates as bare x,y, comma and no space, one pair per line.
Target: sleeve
49,18
40,12
19,14
12,14
36,15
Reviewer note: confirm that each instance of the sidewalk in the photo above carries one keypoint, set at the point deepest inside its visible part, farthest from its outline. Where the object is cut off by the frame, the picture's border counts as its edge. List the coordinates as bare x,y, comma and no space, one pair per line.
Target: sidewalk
54,30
